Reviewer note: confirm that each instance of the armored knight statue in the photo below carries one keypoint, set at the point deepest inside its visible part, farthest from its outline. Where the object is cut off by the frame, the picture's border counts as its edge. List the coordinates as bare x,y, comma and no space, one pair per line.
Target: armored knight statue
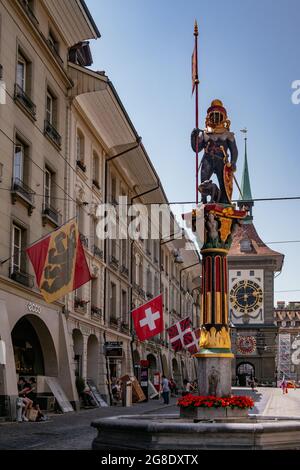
217,141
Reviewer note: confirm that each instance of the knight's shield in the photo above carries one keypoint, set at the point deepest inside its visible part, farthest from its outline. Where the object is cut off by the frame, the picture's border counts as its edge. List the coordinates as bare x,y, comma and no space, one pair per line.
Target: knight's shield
228,180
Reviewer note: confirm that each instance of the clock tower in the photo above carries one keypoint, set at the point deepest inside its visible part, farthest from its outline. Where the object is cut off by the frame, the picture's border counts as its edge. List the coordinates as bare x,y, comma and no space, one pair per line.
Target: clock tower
252,265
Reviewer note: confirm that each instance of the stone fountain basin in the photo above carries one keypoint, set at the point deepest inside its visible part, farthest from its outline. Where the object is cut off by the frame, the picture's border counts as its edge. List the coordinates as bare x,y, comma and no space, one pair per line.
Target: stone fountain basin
173,432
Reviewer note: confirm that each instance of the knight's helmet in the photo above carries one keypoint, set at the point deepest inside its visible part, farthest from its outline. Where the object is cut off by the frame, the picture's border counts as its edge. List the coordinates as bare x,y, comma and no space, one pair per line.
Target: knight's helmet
216,117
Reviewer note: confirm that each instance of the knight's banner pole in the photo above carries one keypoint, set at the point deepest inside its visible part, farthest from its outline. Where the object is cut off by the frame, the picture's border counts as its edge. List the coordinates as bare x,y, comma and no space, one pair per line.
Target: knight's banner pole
195,83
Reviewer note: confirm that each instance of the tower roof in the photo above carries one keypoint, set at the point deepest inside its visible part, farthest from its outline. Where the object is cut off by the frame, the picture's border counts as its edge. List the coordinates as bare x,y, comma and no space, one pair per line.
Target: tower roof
248,244
245,185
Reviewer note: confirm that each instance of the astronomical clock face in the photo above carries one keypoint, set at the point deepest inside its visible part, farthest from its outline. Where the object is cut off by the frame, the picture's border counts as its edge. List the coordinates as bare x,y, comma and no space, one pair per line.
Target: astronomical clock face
246,296
246,345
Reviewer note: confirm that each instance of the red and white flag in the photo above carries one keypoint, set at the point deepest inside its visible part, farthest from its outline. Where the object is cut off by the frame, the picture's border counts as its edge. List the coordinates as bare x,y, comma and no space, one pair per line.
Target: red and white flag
148,318
177,333
193,345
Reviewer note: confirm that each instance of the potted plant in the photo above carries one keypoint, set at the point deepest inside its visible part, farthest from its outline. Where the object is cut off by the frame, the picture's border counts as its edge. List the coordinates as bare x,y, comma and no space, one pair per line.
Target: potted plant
211,407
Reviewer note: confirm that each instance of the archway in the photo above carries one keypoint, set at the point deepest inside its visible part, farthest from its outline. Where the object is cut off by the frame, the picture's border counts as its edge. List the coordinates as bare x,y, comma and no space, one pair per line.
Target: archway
34,350
92,358
176,372
245,371
152,366
78,351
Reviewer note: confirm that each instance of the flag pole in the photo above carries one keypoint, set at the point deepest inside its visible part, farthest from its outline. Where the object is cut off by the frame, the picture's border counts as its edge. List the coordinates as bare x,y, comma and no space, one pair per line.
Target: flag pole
196,83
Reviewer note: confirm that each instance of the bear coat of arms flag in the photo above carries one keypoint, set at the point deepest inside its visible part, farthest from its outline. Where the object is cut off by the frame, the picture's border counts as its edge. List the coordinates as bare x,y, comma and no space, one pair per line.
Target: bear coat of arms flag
59,262
180,334
148,318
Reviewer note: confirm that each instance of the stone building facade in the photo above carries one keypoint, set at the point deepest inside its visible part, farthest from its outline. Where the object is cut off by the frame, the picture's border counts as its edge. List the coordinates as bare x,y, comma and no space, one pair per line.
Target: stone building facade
62,129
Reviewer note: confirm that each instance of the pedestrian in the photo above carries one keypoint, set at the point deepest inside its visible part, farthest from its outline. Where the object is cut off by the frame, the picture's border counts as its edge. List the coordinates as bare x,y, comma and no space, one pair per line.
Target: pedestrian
165,389
173,387
23,388
283,385
253,384
187,387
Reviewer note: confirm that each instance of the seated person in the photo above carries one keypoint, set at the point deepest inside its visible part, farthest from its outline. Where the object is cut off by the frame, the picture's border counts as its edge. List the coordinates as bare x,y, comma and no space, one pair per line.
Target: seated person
31,394
23,388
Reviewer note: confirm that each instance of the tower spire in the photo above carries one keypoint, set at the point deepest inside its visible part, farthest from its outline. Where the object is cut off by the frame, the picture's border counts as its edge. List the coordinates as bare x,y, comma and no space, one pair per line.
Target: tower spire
246,197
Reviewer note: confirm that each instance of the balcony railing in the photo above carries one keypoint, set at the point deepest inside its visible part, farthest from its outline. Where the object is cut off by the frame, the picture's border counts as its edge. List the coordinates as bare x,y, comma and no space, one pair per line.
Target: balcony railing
24,4
51,214
135,286
81,165
114,322
80,304
52,134
96,183
20,189
124,270
84,240
114,262
97,252
22,277
96,312
142,293
23,99
125,327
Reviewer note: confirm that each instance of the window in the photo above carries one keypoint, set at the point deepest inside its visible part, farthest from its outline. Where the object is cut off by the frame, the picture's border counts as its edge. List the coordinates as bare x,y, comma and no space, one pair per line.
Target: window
16,248
251,273
51,119
49,107
94,292
124,306
124,252
54,44
47,187
141,274
19,161
21,72
113,300
80,217
149,281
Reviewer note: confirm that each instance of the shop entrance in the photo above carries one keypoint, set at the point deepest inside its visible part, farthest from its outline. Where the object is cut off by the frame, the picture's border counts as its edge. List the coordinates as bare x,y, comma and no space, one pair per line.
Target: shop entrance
245,372
28,353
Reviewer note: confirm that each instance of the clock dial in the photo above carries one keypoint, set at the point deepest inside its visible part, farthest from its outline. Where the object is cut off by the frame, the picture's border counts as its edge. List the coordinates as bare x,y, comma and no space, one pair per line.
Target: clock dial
246,296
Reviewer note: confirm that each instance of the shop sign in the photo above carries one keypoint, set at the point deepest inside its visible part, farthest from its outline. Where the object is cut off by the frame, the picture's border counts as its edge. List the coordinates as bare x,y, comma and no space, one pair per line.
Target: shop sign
35,308
113,348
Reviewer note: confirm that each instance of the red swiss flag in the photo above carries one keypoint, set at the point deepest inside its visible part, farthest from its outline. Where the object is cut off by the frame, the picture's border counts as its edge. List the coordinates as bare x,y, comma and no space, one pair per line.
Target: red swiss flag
148,318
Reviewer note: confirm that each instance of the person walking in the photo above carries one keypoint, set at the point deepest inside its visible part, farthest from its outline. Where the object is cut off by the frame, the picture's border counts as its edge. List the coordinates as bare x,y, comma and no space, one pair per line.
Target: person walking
165,389
284,386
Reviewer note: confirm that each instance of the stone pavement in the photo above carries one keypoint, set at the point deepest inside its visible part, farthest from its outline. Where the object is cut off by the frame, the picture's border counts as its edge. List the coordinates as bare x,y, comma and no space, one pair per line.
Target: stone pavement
70,430
73,430
283,405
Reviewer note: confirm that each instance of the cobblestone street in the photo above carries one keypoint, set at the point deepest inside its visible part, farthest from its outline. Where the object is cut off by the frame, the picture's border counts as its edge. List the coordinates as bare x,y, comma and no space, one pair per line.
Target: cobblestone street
73,431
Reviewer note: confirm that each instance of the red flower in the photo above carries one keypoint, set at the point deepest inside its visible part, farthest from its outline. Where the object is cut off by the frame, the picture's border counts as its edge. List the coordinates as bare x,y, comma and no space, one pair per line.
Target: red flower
193,401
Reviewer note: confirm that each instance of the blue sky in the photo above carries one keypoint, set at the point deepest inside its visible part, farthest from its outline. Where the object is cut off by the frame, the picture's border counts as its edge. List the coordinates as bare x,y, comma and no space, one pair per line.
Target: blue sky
248,58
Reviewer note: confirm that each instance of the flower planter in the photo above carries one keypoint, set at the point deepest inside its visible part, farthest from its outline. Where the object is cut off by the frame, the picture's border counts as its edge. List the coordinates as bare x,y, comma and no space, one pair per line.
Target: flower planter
212,407
212,413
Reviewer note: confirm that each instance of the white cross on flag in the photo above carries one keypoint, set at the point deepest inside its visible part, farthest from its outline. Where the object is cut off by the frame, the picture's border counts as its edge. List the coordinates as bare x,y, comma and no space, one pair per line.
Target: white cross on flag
193,346
177,334
148,318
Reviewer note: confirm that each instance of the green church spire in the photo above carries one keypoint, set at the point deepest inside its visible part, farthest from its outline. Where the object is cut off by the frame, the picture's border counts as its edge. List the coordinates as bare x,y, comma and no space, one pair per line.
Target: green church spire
246,196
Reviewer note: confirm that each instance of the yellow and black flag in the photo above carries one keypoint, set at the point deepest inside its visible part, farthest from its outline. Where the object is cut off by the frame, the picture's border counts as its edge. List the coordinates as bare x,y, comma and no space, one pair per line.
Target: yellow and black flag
59,262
